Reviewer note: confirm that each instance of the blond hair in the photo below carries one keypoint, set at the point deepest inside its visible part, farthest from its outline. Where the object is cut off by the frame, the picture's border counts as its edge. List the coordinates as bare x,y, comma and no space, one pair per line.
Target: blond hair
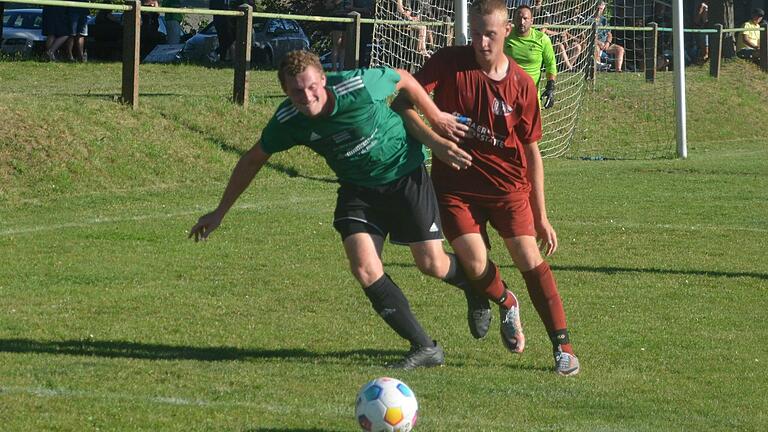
488,7
296,62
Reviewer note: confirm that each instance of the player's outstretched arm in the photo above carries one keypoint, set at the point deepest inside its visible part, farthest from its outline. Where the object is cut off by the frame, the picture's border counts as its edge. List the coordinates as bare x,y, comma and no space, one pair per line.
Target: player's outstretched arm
245,170
445,124
544,231
443,149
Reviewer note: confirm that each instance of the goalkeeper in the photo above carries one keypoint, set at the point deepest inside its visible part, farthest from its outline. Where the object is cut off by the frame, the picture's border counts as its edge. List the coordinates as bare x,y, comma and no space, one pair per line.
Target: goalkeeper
531,49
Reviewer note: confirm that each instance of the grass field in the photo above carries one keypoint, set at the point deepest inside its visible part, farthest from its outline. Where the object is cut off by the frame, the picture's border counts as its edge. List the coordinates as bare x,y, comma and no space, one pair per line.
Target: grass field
110,319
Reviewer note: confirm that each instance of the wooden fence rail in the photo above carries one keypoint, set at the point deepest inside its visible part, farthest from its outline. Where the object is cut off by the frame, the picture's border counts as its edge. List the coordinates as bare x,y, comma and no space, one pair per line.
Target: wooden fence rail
242,55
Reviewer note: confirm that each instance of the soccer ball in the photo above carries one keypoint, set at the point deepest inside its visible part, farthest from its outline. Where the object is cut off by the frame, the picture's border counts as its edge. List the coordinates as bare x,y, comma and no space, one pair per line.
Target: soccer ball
386,405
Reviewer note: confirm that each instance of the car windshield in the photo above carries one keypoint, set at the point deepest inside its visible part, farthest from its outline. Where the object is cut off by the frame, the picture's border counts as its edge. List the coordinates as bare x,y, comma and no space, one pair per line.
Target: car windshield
258,27
23,20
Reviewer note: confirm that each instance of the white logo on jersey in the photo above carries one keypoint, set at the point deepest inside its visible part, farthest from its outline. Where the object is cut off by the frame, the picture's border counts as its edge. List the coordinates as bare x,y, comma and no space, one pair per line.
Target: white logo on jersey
434,228
501,108
314,136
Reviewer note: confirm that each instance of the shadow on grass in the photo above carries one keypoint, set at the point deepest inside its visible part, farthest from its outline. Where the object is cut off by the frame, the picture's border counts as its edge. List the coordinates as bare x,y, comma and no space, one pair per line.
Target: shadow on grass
616,270
287,430
294,173
137,350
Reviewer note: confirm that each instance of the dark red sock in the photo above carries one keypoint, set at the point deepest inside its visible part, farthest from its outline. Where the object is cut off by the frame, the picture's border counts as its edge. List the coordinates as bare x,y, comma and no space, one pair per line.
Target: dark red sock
493,287
546,299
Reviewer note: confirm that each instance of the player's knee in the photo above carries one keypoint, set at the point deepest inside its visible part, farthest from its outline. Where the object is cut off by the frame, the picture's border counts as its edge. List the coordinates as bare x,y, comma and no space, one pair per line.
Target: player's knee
366,275
432,266
475,268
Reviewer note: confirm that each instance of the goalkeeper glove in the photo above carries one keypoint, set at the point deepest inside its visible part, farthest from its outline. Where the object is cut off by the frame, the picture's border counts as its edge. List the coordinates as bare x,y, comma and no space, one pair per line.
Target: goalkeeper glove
548,97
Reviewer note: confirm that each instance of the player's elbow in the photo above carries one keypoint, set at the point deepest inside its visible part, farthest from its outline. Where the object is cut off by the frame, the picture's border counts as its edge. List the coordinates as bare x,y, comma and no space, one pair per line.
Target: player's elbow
400,104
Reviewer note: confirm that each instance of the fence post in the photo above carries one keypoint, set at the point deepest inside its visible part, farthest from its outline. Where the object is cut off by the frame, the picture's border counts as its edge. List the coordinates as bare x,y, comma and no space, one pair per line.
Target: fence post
764,47
716,52
652,54
242,55
352,42
131,53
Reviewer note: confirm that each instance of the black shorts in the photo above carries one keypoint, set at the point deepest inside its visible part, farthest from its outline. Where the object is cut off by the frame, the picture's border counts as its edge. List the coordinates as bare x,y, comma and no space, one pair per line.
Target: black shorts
405,209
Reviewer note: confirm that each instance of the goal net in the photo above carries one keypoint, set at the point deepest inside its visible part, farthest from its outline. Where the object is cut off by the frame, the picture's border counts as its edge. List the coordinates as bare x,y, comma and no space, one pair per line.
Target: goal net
408,31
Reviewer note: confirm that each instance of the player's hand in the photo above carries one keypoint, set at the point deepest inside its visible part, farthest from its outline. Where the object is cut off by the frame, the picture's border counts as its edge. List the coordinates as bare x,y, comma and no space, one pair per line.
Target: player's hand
449,127
547,237
205,225
451,154
548,96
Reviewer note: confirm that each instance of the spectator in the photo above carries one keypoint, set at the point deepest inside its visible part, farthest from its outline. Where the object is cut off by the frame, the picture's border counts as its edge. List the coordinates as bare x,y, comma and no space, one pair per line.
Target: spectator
108,36
604,45
150,29
748,42
225,30
336,8
414,12
57,28
173,22
78,19
566,45
701,21
366,9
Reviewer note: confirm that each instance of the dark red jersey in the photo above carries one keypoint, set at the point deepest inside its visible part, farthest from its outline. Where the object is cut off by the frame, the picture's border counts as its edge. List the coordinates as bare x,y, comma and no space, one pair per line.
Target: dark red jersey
504,116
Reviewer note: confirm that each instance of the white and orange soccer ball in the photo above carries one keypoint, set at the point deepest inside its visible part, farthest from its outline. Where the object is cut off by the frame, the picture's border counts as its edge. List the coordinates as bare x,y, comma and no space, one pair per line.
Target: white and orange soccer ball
386,405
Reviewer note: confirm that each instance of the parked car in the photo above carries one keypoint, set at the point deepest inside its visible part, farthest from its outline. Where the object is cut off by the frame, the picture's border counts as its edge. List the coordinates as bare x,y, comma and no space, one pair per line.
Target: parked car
272,39
23,32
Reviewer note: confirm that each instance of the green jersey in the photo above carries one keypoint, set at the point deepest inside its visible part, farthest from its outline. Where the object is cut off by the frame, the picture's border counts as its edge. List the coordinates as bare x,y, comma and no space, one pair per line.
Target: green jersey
363,141
531,52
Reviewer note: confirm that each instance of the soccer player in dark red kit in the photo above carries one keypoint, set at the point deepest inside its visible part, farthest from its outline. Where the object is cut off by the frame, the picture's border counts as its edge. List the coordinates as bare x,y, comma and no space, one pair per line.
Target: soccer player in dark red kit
498,123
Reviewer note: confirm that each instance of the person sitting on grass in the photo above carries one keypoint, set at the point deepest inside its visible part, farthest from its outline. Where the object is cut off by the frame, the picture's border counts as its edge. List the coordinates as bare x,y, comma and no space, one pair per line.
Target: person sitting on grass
604,45
748,42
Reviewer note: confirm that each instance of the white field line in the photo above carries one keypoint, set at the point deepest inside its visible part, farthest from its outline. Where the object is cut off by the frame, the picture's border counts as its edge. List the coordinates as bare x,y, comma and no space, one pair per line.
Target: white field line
671,227
292,201
43,392
107,220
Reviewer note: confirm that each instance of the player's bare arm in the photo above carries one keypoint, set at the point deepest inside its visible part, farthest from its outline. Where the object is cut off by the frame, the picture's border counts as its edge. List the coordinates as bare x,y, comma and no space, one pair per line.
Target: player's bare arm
445,124
443,149
412,93
544,230
242,175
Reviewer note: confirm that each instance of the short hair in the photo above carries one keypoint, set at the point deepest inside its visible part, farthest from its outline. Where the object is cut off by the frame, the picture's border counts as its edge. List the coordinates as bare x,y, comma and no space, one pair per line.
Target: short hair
488,7
757,12
524,6
296,62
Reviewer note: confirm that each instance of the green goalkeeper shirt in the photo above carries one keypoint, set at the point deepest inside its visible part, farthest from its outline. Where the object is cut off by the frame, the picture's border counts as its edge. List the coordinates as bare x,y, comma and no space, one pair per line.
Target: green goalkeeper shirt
531,52
363,141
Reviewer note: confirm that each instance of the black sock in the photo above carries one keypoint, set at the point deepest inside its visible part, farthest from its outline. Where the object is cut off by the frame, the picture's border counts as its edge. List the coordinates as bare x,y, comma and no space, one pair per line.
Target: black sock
456,275
390,303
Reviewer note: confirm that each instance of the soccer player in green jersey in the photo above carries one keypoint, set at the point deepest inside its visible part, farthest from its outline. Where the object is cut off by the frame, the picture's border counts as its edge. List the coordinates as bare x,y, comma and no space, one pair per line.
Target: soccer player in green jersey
384,188
531,49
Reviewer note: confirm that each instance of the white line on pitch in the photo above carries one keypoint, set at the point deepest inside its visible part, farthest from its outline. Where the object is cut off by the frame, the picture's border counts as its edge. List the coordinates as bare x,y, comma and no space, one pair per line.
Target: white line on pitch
262,205
676,227
44,392
105,220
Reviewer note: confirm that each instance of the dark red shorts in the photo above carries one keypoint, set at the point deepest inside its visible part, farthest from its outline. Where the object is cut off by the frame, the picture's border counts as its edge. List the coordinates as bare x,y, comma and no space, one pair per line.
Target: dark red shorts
511,217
